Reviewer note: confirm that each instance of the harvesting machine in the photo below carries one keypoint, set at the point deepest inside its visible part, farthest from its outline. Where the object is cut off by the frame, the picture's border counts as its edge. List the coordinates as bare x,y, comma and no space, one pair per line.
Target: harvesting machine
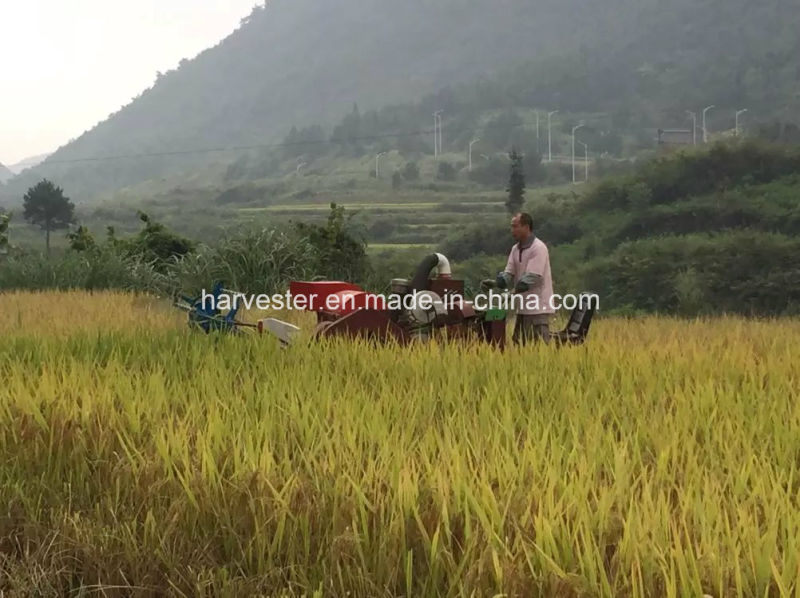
429,305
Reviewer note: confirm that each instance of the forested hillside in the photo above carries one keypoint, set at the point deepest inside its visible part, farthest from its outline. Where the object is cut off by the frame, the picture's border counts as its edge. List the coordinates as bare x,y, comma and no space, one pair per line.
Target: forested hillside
304,62
5,174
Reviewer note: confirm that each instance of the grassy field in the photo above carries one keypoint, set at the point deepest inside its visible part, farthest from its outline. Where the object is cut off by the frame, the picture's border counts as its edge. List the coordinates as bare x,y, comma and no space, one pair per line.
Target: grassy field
136,458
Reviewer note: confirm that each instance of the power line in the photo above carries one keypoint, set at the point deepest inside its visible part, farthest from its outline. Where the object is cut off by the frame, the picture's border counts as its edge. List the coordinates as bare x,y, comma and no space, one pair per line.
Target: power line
284,144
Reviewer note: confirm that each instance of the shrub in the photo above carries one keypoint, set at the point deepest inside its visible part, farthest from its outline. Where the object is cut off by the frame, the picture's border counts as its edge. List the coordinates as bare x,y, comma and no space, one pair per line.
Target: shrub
340,253
446,172
410,172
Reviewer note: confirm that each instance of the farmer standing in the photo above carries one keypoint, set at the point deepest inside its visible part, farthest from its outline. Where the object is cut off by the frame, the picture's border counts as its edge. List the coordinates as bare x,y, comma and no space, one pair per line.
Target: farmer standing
528,273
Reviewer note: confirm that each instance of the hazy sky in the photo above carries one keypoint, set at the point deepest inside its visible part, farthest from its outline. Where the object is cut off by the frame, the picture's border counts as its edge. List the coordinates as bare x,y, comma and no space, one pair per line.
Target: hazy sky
65,65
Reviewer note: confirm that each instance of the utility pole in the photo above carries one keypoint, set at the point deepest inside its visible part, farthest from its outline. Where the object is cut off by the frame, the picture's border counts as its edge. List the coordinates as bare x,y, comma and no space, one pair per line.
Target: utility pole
471,143
538,148
550,136
441,150
585,161
437,133
705,130
694,126
574,130
738,114
378,165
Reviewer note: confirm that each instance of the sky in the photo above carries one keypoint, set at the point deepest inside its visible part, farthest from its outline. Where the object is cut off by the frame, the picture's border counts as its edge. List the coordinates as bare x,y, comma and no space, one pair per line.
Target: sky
66,65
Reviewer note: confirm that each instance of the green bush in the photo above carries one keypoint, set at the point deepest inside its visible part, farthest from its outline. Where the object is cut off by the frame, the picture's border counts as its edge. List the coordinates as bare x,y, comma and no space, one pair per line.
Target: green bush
341,254
743,272
492,173
154,244
489,238
446,172
410,172
675,177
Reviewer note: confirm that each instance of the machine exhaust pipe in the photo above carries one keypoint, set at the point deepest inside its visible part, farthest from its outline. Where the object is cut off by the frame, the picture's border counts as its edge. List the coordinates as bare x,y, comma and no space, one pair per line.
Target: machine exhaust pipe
423,272
443,267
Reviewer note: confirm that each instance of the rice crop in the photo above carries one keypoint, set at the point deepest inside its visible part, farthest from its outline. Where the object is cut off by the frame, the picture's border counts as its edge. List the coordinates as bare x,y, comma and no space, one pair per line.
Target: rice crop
138,458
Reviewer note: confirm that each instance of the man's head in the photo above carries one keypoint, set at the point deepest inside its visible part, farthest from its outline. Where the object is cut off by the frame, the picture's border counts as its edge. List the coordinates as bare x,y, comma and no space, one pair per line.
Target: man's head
521,227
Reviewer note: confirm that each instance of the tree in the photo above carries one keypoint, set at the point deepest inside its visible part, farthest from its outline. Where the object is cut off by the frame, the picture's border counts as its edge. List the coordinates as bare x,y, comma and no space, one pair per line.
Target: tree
46,207
308,142
516,183
397,179
411,171
81,239
446,172
492,172
341,255
348,132
640,196
500,131
156,244
4,220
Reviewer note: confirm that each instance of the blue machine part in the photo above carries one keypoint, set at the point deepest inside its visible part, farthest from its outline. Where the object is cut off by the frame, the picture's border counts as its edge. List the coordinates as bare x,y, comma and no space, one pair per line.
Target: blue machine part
208,317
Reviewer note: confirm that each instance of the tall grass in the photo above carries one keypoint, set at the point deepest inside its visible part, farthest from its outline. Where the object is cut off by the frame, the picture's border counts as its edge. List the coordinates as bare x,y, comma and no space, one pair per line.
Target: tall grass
658,460
253,261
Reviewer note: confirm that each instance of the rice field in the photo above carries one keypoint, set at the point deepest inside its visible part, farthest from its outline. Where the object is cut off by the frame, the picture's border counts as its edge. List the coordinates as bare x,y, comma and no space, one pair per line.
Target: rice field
139,459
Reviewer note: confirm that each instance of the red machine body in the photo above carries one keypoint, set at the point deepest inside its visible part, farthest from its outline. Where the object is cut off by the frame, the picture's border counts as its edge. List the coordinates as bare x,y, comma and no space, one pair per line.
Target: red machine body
335,298
345,309
316,293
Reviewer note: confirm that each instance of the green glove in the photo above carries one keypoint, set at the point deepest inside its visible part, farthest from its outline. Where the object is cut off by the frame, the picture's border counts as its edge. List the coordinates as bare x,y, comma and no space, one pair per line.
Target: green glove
527,282
488,284
503,280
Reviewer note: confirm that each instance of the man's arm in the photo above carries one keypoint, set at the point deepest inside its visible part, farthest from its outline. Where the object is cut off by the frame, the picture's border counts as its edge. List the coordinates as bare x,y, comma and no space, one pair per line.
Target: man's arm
506,278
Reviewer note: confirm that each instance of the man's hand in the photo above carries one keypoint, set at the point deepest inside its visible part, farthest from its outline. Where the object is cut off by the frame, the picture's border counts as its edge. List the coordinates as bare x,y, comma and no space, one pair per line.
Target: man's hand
488,284
527,282
503,280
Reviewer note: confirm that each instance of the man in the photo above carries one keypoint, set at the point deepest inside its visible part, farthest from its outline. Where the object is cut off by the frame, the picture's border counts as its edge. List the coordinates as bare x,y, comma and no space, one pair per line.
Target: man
528,273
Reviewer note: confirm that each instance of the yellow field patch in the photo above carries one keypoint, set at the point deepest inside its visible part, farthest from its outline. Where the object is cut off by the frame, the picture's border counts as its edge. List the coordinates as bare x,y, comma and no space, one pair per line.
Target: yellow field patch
660,459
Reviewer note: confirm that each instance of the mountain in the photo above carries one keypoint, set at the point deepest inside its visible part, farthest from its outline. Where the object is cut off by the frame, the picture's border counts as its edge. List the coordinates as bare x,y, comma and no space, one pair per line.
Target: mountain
303,62
5,174
29,162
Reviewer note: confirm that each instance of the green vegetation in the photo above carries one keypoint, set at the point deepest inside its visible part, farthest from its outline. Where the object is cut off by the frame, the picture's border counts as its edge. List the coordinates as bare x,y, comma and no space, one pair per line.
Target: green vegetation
341,256
154,244
691,232
157,260
5,174
516,183
46,207
5,219
699,231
